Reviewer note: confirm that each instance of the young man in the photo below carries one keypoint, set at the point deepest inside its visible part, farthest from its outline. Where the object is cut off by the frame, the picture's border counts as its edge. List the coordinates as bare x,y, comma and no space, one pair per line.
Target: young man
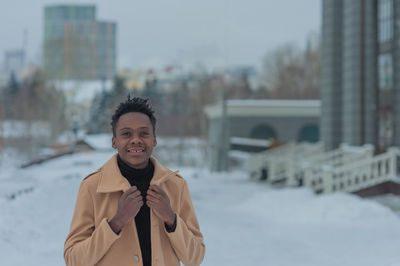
134,211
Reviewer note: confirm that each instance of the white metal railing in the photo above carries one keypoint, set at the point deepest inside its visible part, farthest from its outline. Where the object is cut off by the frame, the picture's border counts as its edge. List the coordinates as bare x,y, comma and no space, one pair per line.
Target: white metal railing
288,164
274,162
356,175
348,168
343,155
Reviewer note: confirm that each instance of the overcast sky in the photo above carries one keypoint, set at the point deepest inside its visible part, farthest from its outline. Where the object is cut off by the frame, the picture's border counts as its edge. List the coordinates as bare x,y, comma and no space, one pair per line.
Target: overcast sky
214,32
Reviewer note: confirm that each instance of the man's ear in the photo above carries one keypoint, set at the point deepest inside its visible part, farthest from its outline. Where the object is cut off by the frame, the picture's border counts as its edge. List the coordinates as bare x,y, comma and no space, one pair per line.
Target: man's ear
113,141
155,141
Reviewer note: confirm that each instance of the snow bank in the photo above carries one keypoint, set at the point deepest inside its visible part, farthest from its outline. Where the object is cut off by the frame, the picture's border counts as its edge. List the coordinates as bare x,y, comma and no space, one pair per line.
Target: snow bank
243,222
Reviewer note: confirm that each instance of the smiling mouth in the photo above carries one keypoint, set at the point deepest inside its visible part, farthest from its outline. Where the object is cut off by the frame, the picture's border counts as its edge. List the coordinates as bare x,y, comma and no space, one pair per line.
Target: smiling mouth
136,150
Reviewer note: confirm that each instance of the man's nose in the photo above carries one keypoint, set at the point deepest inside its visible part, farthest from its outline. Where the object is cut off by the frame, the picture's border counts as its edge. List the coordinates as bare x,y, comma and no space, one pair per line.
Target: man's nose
135,138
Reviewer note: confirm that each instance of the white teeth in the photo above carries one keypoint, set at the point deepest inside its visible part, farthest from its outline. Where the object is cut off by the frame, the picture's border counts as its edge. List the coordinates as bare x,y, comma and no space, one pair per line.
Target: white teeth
135,150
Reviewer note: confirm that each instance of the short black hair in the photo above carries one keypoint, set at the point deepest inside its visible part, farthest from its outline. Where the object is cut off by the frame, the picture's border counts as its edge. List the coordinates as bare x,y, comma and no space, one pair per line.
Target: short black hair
131,105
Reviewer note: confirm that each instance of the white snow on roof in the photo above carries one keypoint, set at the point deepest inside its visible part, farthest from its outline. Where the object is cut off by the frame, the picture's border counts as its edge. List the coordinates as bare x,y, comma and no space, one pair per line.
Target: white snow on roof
99,142
250,142
20,129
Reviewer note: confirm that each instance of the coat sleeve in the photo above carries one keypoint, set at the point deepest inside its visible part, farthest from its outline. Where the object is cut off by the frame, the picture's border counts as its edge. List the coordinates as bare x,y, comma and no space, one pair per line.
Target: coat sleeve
187,240
86,244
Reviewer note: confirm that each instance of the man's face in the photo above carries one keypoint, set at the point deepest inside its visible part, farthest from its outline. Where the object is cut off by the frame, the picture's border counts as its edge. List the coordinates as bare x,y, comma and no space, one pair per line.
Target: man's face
134,139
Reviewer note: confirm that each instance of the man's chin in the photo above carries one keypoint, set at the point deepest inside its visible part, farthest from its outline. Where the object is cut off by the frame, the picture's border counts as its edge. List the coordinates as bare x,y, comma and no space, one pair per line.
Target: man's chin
138,164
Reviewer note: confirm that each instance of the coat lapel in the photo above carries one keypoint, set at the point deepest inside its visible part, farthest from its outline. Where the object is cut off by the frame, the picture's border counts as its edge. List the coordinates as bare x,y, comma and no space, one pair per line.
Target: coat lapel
161,173
111,179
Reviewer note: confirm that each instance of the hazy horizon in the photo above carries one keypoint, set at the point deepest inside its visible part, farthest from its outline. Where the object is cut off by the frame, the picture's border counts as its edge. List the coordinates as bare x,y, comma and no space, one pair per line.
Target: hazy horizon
216,33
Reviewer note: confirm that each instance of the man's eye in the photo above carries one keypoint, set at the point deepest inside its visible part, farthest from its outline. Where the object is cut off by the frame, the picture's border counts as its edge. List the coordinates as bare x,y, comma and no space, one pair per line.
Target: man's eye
126,133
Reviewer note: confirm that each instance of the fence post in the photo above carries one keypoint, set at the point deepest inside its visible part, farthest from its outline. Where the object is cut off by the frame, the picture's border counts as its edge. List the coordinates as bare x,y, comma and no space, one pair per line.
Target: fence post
308,177
291,171
326,179
394,152
271,165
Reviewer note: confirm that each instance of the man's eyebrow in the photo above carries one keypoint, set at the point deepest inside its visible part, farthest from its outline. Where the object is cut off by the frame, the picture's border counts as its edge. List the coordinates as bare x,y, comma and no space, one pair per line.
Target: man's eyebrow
128,128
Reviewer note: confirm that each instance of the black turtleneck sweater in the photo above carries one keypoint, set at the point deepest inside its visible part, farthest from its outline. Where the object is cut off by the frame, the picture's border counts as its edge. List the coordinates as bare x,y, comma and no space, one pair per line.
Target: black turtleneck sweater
141,179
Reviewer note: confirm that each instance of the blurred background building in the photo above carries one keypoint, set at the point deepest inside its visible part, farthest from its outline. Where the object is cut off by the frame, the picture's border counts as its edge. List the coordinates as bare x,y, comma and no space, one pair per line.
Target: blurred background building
13,65
254,125
359,82
77,46
14,60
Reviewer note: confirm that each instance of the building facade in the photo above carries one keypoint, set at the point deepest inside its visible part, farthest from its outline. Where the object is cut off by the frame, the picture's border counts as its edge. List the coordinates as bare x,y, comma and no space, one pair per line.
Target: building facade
359,82
14,61
279,121
77,46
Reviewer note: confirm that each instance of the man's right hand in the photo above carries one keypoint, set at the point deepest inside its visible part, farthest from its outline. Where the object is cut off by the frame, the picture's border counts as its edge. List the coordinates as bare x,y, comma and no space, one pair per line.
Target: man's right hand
128,207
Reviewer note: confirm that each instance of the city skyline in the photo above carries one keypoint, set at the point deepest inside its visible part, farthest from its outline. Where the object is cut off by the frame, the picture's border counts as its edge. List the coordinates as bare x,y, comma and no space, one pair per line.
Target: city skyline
77,45
217,33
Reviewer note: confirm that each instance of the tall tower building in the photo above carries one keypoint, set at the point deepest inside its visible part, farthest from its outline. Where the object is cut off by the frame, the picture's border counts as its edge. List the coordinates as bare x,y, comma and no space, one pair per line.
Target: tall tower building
14,61
77,46
360,87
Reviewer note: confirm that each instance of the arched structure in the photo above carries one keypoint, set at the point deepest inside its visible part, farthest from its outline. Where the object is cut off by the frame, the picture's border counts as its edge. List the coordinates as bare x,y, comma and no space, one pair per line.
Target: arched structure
309,133
283,120
263,131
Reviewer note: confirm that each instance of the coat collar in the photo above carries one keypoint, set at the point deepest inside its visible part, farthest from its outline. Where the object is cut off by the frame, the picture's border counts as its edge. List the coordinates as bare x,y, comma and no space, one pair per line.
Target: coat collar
111,179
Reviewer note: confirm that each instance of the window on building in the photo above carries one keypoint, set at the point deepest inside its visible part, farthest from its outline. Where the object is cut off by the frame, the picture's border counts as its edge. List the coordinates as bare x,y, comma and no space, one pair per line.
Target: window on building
385,73
385,20
385,69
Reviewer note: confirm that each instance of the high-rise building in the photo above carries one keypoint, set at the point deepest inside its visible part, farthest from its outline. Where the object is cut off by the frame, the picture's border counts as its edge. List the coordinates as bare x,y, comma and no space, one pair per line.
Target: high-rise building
76,45
360,77
14,61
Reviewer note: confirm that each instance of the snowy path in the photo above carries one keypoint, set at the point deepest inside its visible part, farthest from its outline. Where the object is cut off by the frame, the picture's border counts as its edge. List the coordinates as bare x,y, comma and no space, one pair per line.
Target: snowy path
243,222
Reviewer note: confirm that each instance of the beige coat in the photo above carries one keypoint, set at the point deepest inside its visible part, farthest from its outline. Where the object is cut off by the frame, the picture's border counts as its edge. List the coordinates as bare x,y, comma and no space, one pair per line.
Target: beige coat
92,242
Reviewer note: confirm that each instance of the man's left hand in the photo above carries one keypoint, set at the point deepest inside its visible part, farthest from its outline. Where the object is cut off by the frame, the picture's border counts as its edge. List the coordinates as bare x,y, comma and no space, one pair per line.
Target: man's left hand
158,201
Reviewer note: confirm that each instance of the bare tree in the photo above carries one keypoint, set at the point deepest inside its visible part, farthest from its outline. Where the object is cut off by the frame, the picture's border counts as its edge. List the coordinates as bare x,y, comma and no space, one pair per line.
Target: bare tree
289,73
103,106
31,101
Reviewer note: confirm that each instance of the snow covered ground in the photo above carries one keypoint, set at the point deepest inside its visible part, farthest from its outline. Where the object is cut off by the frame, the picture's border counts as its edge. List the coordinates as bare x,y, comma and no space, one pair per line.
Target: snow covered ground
243,222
